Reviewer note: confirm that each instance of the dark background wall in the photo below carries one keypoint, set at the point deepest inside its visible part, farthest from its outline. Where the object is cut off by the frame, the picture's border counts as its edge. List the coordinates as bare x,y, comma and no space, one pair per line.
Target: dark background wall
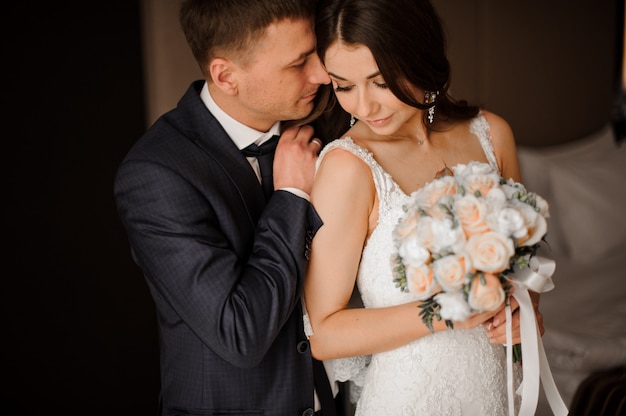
78,334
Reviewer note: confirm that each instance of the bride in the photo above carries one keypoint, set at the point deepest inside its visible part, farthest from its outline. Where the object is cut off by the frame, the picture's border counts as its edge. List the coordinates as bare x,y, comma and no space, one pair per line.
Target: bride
390,75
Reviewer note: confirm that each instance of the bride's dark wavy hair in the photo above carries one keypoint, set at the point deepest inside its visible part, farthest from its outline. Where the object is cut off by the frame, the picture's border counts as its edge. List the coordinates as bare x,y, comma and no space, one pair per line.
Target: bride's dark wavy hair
407,40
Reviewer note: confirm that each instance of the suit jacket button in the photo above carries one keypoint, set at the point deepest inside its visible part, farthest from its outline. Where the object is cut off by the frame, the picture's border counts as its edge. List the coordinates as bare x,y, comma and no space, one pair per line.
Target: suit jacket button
308,412
303,346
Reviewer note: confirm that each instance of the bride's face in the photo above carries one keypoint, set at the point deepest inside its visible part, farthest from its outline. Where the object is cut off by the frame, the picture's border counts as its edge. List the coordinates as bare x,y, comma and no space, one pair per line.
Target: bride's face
362,91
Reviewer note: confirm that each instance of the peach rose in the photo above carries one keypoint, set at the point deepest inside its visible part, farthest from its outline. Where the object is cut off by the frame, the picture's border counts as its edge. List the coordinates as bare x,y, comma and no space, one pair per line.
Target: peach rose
488,296
434,191
472,213
421,281
406,227
450,271
481,184
490,252
477,177
441,209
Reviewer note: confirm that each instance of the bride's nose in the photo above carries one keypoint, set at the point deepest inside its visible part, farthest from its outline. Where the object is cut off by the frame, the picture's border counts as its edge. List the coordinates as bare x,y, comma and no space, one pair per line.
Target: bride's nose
366,106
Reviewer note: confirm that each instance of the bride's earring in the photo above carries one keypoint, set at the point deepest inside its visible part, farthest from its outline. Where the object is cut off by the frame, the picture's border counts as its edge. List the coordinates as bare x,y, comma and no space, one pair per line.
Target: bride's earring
352,120
429,98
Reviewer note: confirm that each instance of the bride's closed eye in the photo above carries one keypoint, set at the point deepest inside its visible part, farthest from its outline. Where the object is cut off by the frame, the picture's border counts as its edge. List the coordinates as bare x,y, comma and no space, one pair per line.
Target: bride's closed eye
339,88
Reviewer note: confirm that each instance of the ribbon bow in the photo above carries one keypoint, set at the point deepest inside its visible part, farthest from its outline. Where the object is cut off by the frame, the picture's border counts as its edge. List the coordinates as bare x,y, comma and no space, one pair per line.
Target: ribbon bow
538,278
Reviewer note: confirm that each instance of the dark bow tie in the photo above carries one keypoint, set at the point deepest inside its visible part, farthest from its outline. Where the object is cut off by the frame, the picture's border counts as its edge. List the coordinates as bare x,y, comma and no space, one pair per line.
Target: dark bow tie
265,156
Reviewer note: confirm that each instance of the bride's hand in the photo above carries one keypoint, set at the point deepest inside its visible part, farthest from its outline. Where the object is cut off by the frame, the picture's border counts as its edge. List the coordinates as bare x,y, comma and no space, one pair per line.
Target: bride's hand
473,321
497,326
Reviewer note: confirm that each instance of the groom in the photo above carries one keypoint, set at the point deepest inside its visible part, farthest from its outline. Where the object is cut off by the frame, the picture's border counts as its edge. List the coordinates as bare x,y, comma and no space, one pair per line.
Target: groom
224,262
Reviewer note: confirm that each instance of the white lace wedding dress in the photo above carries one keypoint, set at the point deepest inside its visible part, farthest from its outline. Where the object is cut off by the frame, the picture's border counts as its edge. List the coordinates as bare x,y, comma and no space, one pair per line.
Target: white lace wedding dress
456,372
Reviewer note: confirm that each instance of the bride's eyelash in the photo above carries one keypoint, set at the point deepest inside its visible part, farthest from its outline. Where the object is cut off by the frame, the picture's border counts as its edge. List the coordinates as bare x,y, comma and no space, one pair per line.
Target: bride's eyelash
342,89
338,88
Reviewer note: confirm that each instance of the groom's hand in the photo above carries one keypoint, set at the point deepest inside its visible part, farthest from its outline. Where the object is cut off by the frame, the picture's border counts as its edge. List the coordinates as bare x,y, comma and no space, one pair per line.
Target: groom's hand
295,158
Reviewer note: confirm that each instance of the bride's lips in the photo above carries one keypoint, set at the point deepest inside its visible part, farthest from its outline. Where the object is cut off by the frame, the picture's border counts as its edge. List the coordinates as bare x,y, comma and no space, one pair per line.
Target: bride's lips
378,123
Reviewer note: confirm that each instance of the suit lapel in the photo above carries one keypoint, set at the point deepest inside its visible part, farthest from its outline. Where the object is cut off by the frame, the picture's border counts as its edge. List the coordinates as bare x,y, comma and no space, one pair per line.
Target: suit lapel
213,140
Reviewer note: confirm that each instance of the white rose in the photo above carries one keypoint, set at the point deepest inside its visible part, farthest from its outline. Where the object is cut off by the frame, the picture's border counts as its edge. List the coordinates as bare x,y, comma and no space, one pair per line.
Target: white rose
542,206
511,187
446,236
536,226
413,253
508,221
454,307
471,168
496,198
414,247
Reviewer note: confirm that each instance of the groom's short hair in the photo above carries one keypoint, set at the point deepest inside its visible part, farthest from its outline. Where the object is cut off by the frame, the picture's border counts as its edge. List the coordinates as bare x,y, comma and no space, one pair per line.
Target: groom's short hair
232,27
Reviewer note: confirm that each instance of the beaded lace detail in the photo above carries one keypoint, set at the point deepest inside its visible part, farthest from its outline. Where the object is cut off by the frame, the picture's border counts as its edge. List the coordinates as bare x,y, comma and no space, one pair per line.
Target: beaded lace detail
480,128
452,373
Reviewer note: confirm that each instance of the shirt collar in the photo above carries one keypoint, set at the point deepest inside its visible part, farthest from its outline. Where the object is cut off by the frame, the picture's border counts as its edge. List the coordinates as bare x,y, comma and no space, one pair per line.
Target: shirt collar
240,134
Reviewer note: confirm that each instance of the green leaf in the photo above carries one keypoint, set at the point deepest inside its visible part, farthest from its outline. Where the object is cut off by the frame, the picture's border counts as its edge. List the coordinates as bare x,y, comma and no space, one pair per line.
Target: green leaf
429,310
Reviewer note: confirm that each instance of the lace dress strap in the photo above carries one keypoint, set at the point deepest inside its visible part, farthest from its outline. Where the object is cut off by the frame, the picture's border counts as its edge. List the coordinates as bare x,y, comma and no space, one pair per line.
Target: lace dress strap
480,127
348,144
383,182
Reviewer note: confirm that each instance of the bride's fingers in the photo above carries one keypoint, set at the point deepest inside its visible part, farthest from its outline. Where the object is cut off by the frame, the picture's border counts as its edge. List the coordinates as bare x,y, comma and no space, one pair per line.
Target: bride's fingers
500,316
475,320
497,334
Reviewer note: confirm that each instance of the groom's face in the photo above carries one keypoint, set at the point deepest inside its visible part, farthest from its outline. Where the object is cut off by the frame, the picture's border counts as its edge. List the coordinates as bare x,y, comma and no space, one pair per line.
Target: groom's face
281,78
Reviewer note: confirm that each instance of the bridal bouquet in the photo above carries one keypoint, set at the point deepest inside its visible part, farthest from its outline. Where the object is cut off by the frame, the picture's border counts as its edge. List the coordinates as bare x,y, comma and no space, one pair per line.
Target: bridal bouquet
462,237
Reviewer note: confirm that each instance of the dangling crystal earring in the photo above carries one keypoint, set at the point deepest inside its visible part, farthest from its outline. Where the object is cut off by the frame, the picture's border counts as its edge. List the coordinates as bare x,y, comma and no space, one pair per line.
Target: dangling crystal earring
429,98
352,120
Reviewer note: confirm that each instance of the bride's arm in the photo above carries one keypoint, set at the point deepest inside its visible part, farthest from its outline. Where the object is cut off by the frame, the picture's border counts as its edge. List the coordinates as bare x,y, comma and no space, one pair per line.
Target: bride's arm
345,197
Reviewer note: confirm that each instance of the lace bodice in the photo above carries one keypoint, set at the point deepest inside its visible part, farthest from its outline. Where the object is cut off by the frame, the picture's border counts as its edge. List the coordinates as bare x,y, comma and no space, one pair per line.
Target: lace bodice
448,373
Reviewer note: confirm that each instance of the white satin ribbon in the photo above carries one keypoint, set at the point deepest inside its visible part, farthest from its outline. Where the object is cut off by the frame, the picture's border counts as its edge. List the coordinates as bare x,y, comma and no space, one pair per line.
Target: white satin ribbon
509,358
538,277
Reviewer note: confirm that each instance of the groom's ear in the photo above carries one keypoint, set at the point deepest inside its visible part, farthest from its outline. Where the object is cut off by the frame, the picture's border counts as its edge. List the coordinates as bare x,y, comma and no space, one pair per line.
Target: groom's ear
223,74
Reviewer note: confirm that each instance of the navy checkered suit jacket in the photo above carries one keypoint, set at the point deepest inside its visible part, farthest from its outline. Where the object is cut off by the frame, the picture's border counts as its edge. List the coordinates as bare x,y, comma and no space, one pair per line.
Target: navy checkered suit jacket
225,268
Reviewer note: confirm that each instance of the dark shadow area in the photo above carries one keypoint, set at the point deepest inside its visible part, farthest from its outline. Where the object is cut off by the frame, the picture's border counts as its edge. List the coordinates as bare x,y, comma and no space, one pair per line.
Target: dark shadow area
79,334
